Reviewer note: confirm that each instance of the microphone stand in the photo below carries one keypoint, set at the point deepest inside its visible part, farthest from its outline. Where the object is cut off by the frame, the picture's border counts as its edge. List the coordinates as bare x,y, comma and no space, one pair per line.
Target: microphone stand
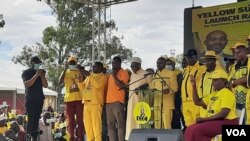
125,86
163,83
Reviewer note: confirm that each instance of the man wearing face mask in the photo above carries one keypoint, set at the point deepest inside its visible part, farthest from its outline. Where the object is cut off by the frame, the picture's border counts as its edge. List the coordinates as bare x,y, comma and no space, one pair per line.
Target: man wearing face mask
164,81
177,119
73,98
34,80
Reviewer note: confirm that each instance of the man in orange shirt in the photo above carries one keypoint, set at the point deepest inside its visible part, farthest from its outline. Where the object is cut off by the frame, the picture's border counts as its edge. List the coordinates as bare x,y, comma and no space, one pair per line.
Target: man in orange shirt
115,101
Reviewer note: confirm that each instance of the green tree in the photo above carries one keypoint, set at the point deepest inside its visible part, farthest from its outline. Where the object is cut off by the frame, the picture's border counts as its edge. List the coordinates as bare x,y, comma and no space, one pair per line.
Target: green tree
72,36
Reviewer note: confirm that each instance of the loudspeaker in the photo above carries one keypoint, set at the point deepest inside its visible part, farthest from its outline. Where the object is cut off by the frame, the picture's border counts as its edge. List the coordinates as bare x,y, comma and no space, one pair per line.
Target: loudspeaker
156,135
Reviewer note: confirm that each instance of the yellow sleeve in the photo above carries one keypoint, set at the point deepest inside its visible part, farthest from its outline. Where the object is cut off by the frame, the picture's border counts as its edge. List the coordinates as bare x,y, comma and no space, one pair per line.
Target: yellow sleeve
173,82
81,85
152,84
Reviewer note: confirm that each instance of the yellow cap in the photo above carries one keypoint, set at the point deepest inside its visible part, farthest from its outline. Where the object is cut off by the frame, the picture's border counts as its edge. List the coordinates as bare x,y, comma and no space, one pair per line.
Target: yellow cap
219,74
237,44
71,58
171,59
210,54
12,115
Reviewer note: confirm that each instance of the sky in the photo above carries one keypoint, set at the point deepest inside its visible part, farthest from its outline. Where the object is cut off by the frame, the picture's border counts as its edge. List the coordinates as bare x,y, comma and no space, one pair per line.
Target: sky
150,28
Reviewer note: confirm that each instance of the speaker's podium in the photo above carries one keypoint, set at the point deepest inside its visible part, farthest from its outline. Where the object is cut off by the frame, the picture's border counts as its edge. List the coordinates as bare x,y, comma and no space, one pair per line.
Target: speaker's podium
156,135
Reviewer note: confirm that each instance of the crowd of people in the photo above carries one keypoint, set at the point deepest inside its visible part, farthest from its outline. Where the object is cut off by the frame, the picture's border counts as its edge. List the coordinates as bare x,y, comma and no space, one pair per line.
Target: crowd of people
52,126
208,92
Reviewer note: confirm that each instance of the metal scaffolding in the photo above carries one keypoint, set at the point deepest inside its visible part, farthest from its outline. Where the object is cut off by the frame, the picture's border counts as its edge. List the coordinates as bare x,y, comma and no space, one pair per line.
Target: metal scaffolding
99,35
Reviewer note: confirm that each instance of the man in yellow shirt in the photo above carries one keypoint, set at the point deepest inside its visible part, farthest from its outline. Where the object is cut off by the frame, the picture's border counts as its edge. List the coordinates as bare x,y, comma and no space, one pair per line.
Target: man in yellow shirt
164,81
221,109
240,72
177,120
73,98
190,111
94,88
204,85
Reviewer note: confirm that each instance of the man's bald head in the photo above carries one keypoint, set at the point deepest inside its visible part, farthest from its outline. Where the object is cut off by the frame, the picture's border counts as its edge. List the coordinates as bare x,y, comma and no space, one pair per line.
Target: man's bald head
216,40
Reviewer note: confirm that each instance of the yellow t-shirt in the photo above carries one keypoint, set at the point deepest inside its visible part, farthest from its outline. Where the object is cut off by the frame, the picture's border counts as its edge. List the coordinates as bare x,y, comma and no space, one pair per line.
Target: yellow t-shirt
66,136
221,99
205,88
72,92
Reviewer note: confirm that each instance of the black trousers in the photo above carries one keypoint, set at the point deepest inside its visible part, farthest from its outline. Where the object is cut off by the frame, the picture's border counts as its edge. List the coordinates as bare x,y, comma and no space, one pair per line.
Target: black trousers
34,110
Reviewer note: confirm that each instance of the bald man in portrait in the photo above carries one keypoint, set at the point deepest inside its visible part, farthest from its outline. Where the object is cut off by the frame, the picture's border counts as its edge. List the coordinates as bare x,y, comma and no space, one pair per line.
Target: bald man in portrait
216,40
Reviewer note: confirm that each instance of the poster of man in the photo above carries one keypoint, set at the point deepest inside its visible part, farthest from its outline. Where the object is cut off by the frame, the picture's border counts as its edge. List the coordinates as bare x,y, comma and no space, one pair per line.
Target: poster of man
219,27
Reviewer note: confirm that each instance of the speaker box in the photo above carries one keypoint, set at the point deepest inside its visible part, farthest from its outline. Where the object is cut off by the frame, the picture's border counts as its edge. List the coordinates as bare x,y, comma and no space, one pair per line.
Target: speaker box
156,135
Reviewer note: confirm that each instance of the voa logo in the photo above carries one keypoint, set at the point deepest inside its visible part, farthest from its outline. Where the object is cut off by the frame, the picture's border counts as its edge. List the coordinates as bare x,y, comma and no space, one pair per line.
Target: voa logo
236,132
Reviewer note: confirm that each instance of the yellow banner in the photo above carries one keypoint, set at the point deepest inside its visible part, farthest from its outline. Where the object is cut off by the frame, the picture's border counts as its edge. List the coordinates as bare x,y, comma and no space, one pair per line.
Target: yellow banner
219,27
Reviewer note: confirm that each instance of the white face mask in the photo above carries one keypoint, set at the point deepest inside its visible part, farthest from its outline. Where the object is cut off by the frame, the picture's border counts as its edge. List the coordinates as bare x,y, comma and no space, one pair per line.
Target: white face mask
72,67
36,66
169,67
58,135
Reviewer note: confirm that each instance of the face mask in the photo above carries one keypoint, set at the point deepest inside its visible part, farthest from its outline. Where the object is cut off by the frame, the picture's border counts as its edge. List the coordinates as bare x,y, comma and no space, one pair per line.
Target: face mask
36,66
58,135
169,67
72,67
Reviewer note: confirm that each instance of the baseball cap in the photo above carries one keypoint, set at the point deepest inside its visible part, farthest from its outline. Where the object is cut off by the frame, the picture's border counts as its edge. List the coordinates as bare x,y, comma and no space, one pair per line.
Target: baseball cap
219,74
72,58
136,60
35,59
209,54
